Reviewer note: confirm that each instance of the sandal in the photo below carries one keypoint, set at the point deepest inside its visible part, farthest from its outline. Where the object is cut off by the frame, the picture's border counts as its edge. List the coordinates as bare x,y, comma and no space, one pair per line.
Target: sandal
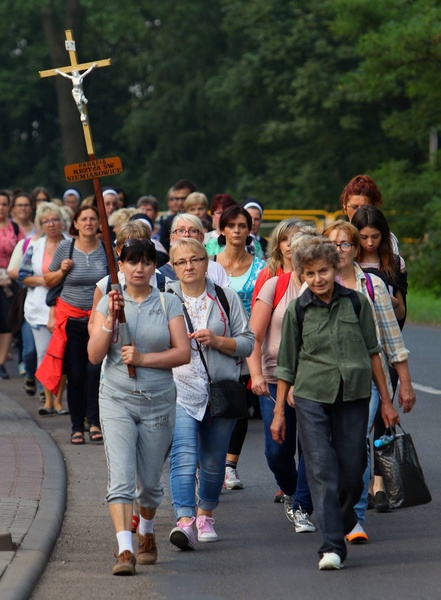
96,436
77,438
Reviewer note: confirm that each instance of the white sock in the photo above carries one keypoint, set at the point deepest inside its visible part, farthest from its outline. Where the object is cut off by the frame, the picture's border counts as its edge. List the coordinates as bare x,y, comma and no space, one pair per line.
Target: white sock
146,526
124,541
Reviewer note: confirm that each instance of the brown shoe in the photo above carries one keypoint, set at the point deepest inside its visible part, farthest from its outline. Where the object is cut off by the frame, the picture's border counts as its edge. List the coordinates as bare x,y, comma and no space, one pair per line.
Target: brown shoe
125,563
147,552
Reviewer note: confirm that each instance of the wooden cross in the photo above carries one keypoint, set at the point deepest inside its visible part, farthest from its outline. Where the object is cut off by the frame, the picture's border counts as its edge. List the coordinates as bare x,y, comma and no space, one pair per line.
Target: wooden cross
81,101
77,83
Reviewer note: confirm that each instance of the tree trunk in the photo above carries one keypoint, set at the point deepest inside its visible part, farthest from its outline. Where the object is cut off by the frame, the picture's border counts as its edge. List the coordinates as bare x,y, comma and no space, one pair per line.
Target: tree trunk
433,145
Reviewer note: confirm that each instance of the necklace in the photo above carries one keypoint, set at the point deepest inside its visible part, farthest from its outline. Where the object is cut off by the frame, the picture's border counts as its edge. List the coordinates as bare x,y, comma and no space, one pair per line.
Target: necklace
238,263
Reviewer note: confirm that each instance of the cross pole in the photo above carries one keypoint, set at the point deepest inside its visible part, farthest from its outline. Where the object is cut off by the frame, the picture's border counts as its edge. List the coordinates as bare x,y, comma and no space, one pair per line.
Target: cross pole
79,71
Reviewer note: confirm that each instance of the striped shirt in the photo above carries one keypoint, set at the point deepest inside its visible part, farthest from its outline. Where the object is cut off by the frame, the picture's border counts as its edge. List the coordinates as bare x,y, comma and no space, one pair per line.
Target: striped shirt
79,283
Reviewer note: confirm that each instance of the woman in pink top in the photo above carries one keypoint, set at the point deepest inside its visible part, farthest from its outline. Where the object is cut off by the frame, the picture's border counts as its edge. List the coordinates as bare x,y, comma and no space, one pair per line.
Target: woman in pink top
10,234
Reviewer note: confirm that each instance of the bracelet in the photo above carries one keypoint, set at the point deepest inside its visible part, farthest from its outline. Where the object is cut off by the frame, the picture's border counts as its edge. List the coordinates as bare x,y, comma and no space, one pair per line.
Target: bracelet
105,329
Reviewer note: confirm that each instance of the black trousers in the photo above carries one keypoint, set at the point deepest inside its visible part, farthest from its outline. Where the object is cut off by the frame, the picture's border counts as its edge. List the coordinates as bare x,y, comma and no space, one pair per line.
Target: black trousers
82,377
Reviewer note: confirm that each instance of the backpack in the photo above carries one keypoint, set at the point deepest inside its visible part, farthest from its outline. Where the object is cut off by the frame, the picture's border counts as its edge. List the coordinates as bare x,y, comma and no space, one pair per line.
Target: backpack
370,287
223,300
353,296
281,287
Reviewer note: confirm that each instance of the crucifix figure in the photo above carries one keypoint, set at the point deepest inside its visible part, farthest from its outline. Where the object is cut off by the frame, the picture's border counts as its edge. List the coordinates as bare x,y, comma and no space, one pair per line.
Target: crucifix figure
77,89
76,72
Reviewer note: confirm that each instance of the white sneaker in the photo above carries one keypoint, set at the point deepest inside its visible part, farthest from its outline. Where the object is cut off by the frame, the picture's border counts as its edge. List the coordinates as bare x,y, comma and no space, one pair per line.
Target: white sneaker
206,532
302,522
232,481
330,561
182,536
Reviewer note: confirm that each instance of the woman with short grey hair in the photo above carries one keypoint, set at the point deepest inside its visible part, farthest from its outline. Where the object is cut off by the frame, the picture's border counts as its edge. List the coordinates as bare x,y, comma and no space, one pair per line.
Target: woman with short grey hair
329,352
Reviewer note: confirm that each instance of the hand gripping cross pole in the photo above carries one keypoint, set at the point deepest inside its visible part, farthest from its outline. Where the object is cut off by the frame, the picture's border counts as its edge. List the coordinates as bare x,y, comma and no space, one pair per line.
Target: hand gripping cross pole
76,73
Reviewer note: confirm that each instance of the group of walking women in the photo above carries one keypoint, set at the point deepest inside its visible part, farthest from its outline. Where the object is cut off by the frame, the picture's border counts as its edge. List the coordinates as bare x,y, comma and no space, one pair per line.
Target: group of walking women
311,333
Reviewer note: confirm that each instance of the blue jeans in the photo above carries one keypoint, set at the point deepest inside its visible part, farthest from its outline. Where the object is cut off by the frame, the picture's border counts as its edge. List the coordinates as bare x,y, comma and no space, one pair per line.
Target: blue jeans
362,504
205,441
29,352
334,442
281,457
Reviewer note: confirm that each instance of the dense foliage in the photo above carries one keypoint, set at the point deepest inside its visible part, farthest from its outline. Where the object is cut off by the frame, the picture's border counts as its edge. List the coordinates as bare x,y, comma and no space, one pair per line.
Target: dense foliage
284,100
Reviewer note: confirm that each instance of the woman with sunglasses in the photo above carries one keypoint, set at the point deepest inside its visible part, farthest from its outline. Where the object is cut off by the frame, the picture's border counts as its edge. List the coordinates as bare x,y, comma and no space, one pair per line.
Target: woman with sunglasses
137,413
222,334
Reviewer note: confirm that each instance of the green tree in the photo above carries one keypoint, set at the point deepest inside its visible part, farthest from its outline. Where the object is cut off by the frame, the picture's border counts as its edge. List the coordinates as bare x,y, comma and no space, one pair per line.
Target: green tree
296,138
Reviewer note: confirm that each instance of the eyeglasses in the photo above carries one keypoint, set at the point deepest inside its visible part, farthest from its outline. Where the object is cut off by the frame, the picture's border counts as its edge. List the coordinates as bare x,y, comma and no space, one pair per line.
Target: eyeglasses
344,246
50,222
180,264
176,198
354,206
22,206
192,232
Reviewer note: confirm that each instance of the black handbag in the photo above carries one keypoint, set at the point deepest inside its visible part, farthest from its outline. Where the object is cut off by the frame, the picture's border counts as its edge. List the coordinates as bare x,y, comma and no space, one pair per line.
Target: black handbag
228,399
401,471
54,292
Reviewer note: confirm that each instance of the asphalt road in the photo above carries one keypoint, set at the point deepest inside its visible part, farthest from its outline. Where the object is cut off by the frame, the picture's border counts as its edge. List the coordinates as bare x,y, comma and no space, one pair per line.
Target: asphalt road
259,555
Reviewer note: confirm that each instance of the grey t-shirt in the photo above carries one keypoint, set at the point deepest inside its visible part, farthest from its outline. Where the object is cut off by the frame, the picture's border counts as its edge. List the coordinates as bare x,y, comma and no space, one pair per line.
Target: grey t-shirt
148,326
79,283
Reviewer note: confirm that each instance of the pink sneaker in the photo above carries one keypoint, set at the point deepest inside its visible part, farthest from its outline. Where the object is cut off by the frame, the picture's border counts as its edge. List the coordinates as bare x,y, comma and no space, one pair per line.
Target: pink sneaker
205,529
182,536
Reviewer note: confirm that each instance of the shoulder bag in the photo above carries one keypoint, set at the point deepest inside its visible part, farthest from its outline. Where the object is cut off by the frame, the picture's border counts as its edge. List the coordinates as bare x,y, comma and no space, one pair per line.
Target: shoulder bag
228,398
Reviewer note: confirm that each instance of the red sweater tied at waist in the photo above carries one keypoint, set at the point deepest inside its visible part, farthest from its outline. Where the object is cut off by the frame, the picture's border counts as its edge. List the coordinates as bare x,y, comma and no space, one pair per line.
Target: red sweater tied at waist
50,371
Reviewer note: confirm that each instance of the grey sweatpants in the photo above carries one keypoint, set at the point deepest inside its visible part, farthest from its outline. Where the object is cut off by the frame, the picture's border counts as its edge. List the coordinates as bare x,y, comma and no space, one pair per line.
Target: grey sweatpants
138,432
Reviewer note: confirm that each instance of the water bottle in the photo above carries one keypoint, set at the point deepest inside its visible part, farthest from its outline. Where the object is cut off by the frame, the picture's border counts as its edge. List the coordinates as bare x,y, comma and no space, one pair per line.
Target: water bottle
384,440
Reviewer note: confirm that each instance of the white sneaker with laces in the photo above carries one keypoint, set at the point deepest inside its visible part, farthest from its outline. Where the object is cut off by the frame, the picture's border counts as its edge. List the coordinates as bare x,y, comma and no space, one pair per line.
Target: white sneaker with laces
302,522
330,561
232,481
206,532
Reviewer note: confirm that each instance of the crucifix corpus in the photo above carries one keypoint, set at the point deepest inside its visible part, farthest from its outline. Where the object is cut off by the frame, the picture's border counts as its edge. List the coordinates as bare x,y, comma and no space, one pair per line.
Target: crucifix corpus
93,168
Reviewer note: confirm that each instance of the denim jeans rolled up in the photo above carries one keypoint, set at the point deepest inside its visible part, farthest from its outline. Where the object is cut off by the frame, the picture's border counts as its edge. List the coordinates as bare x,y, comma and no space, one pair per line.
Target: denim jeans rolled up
281,457
195,441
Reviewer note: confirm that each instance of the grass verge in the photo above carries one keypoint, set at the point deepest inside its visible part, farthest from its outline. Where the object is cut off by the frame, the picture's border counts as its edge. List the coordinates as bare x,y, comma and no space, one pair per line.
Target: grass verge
423,308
